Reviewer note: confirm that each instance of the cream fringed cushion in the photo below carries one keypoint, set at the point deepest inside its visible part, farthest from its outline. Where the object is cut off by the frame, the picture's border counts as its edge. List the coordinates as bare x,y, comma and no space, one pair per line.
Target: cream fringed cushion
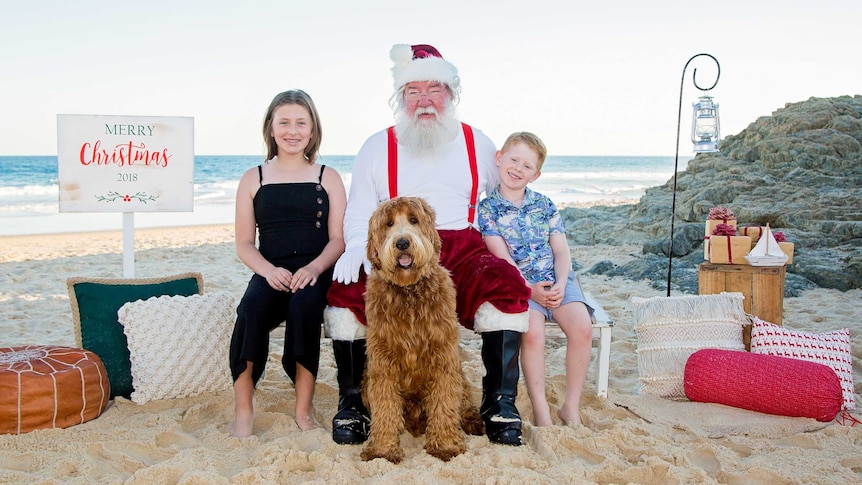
178,344
670,329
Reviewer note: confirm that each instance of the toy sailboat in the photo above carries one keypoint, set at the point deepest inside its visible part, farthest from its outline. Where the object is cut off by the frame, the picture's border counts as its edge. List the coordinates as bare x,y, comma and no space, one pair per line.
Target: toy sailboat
766,252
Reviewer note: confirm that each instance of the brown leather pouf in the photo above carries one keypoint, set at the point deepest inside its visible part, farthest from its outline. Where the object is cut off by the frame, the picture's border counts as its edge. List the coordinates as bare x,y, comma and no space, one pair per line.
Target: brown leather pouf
45,386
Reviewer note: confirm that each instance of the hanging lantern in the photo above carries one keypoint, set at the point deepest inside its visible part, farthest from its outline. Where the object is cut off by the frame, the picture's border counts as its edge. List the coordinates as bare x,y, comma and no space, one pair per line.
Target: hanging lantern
704,135
705,126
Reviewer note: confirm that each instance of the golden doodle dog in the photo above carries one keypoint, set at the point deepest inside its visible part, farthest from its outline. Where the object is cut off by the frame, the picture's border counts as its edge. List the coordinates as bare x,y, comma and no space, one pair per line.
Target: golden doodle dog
413,374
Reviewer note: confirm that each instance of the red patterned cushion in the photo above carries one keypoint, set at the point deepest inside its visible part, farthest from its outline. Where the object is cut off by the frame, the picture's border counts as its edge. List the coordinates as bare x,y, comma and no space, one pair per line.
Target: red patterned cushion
828,348
763,383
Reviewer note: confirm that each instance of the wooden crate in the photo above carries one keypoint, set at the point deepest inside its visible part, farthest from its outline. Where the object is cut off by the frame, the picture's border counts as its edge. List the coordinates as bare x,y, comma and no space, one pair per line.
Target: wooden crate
762,286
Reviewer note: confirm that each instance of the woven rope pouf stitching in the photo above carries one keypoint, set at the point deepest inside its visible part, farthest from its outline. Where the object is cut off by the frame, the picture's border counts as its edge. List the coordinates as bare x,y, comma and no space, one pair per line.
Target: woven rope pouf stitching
45,386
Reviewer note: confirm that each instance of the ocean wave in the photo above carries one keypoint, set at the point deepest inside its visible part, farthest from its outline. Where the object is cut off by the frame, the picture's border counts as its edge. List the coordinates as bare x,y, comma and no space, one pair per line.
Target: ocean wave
13,191
608,175
29,193
29,209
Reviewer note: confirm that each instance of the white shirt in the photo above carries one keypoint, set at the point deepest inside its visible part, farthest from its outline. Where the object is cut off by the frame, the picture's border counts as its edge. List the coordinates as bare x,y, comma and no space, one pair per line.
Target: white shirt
443,180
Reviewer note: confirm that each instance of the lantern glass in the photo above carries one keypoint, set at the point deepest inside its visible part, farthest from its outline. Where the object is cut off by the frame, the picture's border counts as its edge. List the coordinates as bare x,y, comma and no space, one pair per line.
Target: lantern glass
705,125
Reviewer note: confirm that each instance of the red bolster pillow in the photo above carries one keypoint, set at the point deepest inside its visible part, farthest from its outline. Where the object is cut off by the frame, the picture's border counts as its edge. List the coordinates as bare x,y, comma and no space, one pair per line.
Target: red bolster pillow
763,383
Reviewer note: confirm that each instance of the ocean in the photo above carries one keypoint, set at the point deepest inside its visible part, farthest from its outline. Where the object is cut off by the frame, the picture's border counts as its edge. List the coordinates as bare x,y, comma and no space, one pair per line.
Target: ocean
29,194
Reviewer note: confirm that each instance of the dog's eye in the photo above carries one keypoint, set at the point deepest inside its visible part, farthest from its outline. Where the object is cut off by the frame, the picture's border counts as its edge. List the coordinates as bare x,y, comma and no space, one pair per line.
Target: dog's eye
414,220
389,223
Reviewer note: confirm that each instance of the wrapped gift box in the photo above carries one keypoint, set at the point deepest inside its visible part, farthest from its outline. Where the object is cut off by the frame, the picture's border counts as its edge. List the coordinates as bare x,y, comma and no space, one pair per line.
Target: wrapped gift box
787,247
754,232
710,226
729,249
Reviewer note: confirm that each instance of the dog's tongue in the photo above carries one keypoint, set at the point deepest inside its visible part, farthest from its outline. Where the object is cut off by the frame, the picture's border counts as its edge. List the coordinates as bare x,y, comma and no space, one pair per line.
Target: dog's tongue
405,260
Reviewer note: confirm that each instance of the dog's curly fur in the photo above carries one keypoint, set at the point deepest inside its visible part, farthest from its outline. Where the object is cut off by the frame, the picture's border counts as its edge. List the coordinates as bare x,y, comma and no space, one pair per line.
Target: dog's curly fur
413,376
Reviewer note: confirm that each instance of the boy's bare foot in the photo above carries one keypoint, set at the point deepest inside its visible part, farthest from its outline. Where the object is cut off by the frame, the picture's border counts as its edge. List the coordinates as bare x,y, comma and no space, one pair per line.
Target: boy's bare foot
541,414
570,418
541,420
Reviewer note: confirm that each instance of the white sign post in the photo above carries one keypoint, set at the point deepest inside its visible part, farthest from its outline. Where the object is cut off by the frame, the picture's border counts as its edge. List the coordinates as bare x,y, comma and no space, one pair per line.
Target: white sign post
125,164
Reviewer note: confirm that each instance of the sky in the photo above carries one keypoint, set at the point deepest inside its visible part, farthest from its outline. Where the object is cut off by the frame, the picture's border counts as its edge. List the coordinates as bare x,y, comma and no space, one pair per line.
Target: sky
590,78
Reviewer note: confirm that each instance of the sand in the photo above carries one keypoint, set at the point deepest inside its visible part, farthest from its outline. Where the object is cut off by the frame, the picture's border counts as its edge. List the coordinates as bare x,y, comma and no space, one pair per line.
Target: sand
626,438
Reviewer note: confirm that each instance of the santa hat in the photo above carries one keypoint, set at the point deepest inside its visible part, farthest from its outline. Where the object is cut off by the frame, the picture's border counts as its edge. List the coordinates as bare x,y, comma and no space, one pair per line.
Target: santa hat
421,62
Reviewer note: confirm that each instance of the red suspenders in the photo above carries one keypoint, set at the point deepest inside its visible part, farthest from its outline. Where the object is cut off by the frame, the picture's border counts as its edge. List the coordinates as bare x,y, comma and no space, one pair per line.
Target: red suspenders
474,171
471,154
393,163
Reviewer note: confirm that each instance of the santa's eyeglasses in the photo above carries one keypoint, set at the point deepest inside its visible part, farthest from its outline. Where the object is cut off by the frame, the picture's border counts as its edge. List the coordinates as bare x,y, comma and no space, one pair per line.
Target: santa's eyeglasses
433,94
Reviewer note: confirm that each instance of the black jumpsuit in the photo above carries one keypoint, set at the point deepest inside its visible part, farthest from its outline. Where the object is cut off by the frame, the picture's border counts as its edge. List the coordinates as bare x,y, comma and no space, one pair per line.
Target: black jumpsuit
292,231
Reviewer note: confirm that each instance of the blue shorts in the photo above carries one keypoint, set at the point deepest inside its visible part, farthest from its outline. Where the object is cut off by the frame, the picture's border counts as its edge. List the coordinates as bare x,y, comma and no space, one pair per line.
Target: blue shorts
573,294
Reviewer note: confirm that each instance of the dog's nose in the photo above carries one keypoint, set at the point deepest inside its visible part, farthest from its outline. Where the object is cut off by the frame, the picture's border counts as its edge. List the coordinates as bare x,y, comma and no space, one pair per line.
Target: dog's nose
402,244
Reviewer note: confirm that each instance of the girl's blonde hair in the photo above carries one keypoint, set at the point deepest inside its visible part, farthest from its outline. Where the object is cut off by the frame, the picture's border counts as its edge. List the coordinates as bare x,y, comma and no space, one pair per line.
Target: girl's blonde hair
301,98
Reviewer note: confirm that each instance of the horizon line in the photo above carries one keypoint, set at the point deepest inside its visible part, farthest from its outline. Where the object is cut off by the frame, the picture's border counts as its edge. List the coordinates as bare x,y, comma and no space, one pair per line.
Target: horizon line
353,155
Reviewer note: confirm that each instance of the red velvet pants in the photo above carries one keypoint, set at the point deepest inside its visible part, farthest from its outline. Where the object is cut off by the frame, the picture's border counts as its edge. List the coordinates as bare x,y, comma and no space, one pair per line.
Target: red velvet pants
479,277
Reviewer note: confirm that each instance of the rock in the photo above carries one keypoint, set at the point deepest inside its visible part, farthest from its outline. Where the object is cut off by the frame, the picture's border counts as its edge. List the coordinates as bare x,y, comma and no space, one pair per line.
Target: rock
798,170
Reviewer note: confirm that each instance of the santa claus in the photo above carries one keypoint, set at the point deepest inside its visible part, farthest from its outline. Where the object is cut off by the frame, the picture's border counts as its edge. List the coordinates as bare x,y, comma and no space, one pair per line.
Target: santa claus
428,153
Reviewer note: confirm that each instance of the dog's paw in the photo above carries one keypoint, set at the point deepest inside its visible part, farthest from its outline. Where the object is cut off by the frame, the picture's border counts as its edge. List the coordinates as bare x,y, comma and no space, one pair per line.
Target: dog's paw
471,422
394,455
446,451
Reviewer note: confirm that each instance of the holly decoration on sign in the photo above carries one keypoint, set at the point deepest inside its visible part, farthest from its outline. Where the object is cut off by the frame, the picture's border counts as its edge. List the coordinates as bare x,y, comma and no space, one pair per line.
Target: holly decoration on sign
113,195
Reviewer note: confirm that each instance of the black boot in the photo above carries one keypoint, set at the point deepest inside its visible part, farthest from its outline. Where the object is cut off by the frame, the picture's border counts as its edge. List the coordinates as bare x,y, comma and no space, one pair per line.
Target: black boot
352,422
500,352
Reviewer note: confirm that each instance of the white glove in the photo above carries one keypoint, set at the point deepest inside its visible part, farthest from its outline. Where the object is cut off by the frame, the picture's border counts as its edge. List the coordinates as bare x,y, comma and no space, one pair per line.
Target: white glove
347,267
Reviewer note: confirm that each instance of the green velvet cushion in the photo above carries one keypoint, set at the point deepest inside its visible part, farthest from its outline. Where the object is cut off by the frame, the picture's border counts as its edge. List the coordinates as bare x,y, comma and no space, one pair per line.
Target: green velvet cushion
95,302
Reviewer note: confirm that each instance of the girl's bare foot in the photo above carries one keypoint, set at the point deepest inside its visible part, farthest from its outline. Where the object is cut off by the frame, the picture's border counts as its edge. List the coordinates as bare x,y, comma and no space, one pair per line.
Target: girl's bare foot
243,427
307,423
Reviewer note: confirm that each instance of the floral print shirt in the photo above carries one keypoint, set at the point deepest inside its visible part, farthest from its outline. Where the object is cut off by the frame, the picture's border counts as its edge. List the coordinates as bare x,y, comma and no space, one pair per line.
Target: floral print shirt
526,230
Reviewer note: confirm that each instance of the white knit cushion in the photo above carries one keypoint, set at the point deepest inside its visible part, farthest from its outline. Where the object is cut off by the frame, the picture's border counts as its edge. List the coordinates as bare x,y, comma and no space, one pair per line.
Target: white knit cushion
670,329
828,348
178,344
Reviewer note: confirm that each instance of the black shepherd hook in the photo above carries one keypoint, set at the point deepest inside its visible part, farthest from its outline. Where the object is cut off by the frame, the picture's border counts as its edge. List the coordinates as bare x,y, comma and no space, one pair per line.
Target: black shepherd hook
676,157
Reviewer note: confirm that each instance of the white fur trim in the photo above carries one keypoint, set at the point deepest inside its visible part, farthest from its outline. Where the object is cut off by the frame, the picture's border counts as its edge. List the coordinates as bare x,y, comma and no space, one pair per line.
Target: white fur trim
489,319
341,324
406,69
401,55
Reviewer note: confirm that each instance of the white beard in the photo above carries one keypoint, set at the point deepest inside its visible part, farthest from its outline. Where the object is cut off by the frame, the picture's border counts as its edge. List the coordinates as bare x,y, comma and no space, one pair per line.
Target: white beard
425,137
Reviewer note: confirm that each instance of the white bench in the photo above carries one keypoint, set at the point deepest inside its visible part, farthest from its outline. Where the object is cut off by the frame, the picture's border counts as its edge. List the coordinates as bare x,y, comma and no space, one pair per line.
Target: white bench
603,324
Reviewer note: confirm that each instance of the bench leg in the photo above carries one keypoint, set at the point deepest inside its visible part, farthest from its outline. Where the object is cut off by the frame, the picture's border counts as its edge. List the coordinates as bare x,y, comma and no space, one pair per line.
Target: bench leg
604,358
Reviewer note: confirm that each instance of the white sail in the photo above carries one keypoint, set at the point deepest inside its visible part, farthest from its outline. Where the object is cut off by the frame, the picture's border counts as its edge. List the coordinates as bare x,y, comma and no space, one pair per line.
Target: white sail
766,252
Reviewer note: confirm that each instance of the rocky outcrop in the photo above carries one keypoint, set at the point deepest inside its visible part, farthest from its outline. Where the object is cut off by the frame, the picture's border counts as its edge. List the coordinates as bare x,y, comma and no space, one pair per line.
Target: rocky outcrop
798,170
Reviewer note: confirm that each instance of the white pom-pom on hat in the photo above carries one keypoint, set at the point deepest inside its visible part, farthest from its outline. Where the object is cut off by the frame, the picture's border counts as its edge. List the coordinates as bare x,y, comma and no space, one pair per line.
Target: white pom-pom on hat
401,55
421,62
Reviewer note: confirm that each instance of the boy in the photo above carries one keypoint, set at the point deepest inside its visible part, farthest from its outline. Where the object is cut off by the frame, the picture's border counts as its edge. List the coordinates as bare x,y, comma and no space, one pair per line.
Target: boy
524,228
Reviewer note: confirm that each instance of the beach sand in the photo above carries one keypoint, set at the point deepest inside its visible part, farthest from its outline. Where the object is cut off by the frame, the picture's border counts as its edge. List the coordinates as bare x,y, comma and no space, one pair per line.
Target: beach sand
626,438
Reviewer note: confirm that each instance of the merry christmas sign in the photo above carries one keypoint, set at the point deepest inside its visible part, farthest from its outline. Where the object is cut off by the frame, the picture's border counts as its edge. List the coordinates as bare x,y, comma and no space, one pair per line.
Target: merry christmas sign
125,163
